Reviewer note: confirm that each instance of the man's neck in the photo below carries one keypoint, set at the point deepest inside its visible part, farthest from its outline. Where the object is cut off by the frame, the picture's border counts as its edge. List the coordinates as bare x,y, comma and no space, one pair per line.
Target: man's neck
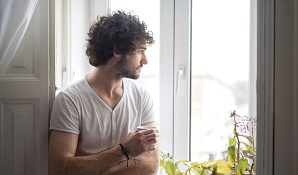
103,82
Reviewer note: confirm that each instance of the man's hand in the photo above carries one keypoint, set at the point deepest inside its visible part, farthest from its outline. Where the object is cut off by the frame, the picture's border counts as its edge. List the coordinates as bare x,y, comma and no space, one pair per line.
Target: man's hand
142,147
139,142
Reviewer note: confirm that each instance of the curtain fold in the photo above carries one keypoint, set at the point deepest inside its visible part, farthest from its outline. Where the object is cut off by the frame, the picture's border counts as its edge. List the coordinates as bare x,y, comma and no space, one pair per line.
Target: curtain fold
15,16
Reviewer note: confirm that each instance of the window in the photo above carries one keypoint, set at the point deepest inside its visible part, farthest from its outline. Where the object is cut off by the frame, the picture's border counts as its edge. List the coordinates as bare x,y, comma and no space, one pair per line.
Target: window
72,20
210,47
201,68
220,59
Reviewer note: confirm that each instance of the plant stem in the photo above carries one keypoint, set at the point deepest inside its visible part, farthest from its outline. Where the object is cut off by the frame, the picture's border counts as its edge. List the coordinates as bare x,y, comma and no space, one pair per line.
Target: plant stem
237,137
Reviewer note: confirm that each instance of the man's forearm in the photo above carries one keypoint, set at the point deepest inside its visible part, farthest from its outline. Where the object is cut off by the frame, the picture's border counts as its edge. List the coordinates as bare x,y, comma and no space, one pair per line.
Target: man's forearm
92,164
147,164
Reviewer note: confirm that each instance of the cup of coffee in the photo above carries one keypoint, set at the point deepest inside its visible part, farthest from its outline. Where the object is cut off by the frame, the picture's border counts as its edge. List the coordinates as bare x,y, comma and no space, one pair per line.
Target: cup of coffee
146,127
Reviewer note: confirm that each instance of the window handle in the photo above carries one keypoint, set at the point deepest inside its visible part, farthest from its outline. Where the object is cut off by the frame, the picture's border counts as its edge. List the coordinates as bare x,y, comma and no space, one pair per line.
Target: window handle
180,73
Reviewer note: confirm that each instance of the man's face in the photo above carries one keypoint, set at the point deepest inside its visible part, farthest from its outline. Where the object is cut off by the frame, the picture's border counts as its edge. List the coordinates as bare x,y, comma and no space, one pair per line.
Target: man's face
131,65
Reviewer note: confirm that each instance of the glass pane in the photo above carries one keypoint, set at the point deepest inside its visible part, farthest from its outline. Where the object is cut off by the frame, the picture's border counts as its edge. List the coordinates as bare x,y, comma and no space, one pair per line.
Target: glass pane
220,73
150,72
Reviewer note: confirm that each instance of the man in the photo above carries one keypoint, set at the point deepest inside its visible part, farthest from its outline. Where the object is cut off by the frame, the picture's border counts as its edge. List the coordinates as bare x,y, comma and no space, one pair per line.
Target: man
93,122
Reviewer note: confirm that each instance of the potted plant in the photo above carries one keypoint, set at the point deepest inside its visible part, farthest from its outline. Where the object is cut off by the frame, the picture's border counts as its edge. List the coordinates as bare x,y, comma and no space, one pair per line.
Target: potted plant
241,154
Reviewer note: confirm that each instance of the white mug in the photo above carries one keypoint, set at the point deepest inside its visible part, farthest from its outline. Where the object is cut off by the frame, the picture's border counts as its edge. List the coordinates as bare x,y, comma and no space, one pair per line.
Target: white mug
146,127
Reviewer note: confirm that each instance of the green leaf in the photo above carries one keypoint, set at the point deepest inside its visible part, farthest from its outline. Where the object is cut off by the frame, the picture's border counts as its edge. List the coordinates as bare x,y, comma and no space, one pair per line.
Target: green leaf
247,154
249,147
208,165
161,163
170,167
195,167
205,172
181,161
243,163
231,155
232,141
178,172
196,170
222,166
214,172
249,138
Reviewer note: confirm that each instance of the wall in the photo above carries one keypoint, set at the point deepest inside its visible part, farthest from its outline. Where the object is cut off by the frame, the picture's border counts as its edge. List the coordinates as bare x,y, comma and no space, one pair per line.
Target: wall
285,72
277,87
283,86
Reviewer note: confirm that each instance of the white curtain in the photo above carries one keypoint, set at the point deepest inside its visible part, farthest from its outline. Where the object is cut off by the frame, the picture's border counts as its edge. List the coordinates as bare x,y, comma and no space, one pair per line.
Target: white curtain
15,16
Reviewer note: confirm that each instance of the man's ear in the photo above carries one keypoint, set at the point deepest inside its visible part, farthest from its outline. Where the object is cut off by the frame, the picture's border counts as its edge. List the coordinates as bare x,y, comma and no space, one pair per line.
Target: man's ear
116,53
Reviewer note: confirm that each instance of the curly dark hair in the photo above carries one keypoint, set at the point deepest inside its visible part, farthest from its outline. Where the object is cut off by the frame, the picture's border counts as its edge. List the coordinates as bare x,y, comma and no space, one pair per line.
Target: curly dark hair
119,31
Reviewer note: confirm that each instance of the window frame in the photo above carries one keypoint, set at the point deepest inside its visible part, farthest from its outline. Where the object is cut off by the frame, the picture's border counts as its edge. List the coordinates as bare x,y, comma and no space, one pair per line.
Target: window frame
263,72
166,76
175,141
265,86
295,120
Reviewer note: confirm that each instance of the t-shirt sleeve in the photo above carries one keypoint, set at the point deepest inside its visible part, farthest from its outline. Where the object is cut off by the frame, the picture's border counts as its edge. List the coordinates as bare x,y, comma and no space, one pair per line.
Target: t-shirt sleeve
148,112
64,115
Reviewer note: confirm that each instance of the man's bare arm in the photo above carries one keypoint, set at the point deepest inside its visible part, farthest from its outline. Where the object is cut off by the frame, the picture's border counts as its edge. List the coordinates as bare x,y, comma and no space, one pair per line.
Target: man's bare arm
146,164
62,149
63,145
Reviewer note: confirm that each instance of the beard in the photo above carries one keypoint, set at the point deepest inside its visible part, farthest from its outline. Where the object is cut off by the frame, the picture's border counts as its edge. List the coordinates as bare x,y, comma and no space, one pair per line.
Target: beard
123,69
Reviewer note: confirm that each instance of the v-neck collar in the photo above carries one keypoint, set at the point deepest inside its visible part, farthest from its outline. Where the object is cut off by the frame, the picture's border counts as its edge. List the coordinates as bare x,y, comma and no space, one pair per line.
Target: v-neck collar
101,101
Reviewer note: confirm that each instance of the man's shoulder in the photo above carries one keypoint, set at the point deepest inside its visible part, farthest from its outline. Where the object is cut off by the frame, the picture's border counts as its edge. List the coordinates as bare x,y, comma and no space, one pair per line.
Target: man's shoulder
76,88
75,84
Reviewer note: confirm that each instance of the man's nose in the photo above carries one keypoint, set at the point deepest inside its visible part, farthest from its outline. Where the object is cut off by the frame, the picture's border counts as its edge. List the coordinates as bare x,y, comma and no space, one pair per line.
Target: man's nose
144,59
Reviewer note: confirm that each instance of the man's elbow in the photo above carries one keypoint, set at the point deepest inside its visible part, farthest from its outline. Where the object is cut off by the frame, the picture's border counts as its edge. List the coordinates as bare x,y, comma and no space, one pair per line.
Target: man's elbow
153,168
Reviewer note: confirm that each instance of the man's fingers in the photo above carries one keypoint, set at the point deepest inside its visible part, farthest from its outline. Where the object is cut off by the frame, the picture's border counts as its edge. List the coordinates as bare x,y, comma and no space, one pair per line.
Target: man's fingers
148,131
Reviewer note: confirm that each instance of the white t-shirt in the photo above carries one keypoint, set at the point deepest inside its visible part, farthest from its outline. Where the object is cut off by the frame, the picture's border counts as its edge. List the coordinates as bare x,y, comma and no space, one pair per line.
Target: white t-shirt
79,110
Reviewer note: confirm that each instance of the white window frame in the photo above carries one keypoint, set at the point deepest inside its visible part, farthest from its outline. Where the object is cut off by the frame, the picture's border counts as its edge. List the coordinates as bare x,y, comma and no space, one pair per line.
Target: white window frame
166,75
70,35
61,43
175,51
175,54
174,39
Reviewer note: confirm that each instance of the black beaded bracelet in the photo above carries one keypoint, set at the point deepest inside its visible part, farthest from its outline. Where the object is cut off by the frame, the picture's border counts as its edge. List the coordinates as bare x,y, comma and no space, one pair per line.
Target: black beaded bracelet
124,151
